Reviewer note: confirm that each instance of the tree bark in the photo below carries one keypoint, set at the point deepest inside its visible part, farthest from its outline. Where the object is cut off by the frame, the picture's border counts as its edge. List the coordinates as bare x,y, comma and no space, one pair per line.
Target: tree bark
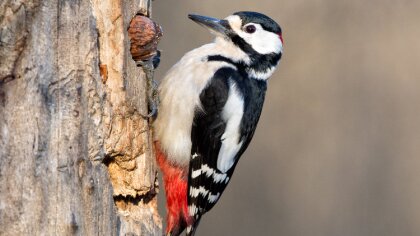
76,155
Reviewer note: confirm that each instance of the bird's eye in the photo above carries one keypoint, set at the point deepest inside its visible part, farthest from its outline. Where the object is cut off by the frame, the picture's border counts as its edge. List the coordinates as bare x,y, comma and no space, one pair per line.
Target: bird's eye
250,29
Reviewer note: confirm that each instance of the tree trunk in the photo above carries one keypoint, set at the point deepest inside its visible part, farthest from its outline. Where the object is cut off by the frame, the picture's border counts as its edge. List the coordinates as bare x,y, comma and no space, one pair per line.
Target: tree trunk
76,155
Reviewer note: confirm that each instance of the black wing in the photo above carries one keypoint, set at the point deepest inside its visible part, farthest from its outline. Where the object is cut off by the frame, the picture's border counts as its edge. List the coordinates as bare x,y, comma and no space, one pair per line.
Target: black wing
205,182
207,130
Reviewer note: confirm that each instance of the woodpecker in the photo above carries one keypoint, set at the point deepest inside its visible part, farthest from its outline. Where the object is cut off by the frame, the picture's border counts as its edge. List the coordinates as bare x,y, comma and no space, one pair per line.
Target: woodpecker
210,104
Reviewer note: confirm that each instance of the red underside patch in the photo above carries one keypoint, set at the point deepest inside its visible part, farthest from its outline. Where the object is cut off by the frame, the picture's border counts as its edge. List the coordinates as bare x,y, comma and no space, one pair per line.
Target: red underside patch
175,181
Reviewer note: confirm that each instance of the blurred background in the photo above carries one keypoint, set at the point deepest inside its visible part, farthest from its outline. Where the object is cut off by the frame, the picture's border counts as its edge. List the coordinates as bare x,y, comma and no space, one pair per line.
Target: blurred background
337,149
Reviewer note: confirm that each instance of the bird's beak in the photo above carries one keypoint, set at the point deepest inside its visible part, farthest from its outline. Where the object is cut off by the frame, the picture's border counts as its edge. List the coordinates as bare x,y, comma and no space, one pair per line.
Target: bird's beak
216,26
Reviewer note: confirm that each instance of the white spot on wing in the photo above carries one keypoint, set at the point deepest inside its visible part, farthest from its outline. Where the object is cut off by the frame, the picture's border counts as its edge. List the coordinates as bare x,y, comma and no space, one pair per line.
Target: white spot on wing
232,114
205,169
213,198
195,173
194,192
192,209
211,172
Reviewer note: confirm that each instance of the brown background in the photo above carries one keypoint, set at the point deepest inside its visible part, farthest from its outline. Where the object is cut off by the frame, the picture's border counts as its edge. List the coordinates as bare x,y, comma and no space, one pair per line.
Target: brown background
337,150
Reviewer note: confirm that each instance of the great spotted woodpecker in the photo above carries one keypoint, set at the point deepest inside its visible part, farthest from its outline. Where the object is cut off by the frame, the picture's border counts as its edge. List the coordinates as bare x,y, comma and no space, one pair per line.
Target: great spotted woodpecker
211,101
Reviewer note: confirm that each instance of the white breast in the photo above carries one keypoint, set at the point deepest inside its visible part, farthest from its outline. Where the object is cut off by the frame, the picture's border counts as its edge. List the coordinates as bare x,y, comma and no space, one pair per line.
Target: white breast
179,97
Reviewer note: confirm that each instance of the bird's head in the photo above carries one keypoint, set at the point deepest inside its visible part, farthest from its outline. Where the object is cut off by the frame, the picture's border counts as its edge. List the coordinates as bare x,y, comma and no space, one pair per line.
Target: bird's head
256,34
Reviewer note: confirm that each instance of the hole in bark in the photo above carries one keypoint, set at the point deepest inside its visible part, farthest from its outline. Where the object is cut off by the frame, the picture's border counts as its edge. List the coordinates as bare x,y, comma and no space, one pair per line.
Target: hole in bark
107,160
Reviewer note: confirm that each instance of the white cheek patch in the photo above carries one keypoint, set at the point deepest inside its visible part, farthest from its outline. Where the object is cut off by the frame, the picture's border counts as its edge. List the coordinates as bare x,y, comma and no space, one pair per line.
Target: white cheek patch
262,41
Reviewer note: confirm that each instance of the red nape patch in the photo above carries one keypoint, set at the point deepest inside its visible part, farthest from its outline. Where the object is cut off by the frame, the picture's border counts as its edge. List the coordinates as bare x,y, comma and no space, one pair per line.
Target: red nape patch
176,191
281,38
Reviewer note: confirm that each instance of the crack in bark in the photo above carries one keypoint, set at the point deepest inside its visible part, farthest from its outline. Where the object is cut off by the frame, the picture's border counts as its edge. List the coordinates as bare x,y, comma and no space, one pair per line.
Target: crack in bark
135,200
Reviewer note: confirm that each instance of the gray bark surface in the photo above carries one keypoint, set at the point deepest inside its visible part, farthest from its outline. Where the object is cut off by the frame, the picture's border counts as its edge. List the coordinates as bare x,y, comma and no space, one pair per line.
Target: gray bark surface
76,156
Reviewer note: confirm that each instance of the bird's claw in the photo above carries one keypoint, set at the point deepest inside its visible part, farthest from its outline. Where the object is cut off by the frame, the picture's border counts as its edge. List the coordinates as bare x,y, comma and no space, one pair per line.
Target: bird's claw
152,96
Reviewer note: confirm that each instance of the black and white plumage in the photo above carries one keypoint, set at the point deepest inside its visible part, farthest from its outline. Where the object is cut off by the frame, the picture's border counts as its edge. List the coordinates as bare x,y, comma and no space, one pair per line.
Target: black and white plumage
231,106
211,101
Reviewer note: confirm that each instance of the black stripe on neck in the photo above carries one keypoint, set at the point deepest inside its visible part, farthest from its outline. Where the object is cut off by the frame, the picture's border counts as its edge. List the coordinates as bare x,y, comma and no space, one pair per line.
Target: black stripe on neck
240,66
258,65
222,58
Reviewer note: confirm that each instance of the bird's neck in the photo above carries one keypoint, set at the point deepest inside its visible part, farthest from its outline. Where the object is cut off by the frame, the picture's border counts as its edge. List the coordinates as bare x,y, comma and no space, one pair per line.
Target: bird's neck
256,66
